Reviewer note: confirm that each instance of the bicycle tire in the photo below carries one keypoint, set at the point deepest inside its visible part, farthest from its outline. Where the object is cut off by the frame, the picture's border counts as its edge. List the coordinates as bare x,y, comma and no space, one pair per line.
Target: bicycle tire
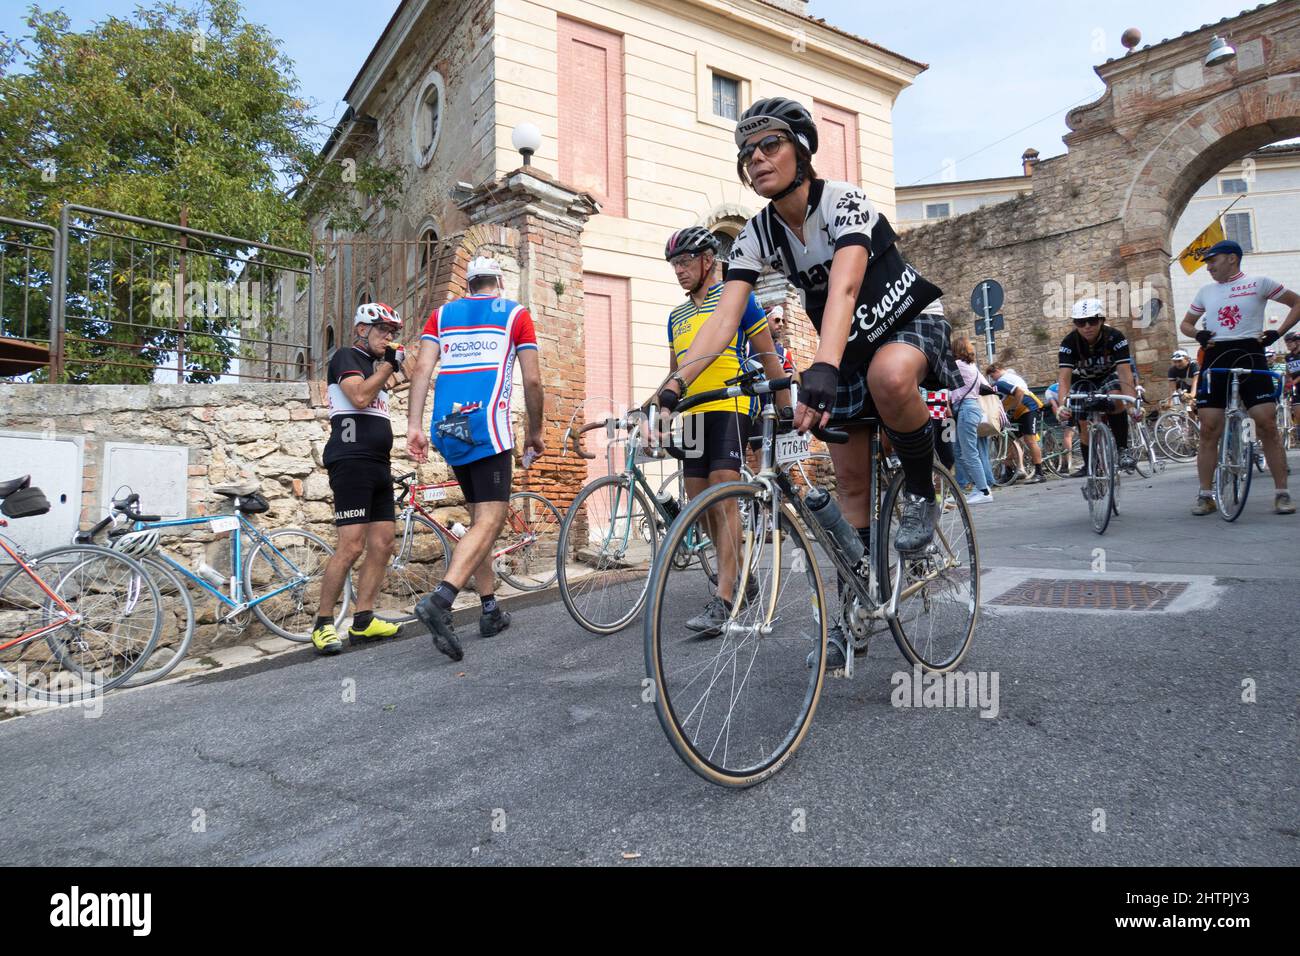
305,596
645,528
418,564
106,621
542,552
1177,436
1099,485
955,534
676,665
1233,474
161,569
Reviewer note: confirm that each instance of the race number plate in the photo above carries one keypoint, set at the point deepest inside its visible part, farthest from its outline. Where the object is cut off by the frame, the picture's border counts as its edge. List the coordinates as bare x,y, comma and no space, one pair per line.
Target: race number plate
220,525
793,447
435,494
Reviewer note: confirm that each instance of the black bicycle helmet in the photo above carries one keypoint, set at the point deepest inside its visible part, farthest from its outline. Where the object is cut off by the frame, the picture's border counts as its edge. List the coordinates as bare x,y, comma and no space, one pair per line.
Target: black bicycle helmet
690,239
777,113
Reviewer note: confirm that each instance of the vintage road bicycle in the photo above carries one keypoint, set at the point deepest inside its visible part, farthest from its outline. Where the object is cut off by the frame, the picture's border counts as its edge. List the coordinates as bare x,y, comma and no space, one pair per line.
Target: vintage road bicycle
737,706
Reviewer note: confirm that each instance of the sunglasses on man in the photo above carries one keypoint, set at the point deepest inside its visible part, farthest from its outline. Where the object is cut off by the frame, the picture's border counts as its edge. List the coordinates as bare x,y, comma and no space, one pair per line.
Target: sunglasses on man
768,144
1095,320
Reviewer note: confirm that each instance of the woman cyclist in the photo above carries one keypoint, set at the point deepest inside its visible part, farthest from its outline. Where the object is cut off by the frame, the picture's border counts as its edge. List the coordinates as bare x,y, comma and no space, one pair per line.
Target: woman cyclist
870,359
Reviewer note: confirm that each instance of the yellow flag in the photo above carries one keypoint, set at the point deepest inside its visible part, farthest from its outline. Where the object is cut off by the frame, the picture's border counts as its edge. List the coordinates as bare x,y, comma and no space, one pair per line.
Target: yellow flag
1190,258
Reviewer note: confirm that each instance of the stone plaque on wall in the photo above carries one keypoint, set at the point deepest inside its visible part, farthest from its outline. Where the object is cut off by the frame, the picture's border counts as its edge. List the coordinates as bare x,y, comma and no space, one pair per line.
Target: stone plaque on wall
157,473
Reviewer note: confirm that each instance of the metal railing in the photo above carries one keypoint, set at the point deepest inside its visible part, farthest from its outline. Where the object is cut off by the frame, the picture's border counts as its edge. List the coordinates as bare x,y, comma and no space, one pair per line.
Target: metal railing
27,273
141,298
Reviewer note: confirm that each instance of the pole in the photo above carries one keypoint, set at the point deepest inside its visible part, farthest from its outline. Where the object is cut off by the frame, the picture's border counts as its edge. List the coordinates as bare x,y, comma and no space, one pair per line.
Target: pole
988,324
180,300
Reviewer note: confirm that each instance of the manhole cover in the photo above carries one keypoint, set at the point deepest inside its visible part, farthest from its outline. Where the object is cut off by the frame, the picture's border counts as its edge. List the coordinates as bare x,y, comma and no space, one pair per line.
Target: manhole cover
1092,595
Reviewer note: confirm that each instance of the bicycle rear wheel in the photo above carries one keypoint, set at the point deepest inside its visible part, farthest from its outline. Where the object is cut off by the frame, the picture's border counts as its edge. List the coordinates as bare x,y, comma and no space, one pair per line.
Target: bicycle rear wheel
607,544
736,704
1144,455
177,624
289,564
1177,436
531,539
1236,464
939,594
117,614
1099,486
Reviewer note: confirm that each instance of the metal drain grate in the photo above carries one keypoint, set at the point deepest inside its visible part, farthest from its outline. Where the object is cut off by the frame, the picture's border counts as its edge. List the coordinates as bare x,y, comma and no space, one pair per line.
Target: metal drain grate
1057,593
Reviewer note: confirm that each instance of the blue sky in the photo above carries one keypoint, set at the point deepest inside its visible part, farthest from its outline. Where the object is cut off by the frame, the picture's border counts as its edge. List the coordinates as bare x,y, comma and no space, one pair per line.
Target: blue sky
994,68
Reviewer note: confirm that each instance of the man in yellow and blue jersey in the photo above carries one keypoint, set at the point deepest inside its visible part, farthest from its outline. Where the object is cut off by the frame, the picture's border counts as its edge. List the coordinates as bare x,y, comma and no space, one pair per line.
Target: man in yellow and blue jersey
716,433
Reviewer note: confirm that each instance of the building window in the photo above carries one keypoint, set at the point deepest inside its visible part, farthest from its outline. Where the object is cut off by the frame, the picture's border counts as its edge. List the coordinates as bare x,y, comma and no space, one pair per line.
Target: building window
592,137
428,239
302,367
426,125
1237,227
1233,186
726,97
329,342
937,210
363,296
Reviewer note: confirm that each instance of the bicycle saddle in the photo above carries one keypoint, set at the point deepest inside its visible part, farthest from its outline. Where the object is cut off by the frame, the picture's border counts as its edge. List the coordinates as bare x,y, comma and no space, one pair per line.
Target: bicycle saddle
236,490
7,488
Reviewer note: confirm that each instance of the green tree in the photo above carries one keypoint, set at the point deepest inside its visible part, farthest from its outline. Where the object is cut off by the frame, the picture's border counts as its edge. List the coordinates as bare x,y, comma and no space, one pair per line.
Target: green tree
169,113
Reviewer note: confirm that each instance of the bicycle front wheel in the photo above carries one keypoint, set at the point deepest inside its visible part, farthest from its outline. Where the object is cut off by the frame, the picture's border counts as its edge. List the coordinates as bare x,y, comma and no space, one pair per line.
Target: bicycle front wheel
1236,464
1099,486
110,627
528,543
607,544
421,557
177,624
939,594
283,576
1177,436
736,699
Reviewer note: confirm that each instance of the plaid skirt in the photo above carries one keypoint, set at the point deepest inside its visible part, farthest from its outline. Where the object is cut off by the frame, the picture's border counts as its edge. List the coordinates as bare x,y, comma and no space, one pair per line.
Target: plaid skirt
929,334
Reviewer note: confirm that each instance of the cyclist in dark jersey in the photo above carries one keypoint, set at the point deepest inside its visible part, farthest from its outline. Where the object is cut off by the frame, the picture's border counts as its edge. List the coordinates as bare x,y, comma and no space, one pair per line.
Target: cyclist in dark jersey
361,478
1183,373
1095,358
1293,375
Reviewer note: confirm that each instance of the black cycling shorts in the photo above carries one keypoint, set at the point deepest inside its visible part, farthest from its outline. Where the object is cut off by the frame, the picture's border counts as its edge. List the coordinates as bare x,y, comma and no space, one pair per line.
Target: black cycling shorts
714,441
1029,423
363,491
486,479
1212,390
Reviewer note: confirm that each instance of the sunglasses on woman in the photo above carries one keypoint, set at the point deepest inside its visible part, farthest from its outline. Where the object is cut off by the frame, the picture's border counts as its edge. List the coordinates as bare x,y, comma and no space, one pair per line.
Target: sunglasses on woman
1080,323
768,144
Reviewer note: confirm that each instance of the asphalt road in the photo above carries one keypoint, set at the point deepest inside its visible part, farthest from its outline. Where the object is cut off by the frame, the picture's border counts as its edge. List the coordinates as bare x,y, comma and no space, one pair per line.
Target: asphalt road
1120,738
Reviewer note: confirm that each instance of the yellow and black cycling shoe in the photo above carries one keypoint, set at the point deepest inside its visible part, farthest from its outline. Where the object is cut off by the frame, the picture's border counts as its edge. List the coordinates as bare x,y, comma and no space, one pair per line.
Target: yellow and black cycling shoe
326,640
376,630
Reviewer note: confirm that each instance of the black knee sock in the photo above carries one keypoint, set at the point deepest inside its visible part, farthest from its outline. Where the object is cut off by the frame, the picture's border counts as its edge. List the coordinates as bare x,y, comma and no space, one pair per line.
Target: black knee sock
489,602
443,595
361,620
1119,425
943,449
915,451
321,621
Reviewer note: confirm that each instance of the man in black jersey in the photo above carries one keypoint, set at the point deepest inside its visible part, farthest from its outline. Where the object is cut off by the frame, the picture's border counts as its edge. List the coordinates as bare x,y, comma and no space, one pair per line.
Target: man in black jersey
357,459
1095,358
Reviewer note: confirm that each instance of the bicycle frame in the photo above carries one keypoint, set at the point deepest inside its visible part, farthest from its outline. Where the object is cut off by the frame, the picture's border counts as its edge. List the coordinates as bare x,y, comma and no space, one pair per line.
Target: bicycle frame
412,507
69,615
235,600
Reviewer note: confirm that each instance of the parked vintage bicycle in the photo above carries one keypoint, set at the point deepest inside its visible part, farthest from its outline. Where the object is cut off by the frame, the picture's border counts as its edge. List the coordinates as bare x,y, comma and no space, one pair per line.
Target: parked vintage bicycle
523,556
75,621
736,707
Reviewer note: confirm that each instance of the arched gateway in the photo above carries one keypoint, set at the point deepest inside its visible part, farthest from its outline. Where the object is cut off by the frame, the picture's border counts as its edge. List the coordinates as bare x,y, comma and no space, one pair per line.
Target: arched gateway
1101,216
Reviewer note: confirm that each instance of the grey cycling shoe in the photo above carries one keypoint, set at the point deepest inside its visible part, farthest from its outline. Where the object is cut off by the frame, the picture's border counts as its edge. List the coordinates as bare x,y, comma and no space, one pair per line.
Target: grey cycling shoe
490,625
710,621
916,525
440,628
834,650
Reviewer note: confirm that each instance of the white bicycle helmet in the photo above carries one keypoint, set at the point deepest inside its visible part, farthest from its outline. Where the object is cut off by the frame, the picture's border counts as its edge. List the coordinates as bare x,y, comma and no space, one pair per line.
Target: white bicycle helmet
136,544
1088,309
483,266
376,313
1180,354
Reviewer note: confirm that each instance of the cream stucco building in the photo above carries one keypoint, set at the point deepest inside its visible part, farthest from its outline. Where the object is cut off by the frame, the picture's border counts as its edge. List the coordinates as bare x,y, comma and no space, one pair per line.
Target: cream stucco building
636,102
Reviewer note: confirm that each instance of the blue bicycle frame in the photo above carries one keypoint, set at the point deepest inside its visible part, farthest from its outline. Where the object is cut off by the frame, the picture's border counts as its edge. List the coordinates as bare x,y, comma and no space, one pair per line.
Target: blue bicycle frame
236,598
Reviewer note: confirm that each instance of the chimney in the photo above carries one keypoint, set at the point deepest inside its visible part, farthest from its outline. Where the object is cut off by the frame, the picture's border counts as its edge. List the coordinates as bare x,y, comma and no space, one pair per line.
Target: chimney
1029,160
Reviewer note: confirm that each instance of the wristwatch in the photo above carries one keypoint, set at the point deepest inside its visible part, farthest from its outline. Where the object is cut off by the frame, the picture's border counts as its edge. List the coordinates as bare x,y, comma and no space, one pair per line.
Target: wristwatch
681,382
